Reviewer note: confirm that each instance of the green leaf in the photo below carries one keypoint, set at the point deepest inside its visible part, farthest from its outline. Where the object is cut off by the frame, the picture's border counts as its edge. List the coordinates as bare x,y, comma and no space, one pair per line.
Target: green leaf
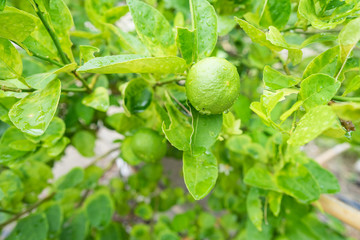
348,38
318,89
59,147
99,208
178,131
12,188
137,96
77,228
231,125
275,80
92,175
127,153
293,108
123,123
206,129
6,152
253,233
2,5
325,179
84,142
153,29
238,144
132,63
10,60
40,80
257,35
276,13
260,177
111,232
23,145
185,42
33,113
54,215
312,124
349,111
204,22
274,199
200,173
32,227
353,85
16,25
98,99
144,211
71,179
325,63
87,52
296,181
225,24
254,208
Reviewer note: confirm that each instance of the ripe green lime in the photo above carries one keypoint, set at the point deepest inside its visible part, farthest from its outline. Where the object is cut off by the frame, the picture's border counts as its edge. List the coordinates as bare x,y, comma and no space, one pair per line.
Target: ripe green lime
212,85
148,145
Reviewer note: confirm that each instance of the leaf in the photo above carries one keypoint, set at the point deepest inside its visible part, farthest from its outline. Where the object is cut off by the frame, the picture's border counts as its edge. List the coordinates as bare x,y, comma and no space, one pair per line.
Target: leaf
23,145
325,179
144,211
257,35
98,99
225,24
238,144
349,111
16,25
132,63
153,29
178,130
92,175
127,153
137,96
318,89
312,124
325,63
254,208
276,13
2,5
297,182
185,42
276,80
77,228
205,27
7,153
253,233
289,112
200,173
353,85
206,129
40,80
111,232
274,199
10,60
349,36
59,147
71,179
12,188
231,126
260,177
123,123
99,209
87,52
32,227
54,216
33,113
84,142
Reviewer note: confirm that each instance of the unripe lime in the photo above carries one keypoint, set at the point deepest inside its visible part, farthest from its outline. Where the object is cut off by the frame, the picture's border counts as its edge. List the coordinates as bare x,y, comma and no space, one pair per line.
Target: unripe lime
148,145
212,85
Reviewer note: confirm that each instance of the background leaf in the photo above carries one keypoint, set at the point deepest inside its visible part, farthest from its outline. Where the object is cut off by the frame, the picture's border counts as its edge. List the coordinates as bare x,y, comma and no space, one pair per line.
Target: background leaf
99,209
98,99
33,227
84,142
10,60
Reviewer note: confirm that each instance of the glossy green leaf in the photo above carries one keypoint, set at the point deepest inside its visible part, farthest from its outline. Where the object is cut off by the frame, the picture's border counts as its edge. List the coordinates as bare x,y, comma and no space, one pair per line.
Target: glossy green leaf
71,179
254,208
353,85
318,89
98,99
204,22
275,80
16,25
200,173
296,181
276,13
23,145
127,153
326,181
349,111
206,129
58,147
324,63
274,199
185,42
52,134
178,130
153,28
7,153
32,227
99,208
87,53
10,60
77,227
114,13
54,216
137,96
316,38
348,38
34,113
132,63
231,125
84,142
225,24
260,177
312,124
290,111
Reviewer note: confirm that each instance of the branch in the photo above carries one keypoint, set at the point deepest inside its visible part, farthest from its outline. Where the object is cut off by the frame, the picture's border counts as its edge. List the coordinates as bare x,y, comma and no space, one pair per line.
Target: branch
168,81
86,85
20,90
346,99
17,216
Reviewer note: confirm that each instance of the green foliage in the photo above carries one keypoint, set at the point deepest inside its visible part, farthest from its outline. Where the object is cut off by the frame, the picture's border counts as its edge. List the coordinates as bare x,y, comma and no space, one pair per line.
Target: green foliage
70,70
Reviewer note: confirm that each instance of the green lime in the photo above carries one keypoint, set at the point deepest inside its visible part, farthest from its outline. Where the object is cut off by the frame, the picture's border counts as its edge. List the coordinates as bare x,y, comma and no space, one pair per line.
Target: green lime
212,85
148,145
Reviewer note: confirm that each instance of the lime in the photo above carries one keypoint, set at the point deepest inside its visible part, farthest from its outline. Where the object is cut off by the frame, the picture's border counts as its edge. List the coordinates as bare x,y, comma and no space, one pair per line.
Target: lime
212,85
148,145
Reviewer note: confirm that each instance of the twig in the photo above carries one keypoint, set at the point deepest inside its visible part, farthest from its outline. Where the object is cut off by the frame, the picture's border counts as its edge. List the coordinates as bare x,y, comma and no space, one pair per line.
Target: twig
180,104
8,211
169,81
20,90
86,85
102,156
346,99
17,216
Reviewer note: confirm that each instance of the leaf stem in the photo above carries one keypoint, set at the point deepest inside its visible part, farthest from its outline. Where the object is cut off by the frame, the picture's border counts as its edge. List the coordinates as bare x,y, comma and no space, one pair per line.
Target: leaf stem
169,81
19,215
346,99
47,59
86,85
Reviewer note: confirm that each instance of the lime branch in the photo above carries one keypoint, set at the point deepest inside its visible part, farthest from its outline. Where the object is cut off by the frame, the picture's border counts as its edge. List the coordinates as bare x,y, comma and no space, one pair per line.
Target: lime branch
346,99
19,90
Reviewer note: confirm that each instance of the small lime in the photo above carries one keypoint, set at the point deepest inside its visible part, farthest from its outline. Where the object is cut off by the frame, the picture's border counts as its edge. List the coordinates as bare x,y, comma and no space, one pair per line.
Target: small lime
212,85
